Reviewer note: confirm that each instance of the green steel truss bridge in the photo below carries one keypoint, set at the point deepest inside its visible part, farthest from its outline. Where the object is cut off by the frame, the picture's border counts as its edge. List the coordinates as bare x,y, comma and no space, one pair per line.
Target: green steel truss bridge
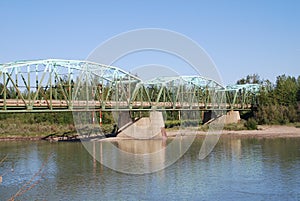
56,85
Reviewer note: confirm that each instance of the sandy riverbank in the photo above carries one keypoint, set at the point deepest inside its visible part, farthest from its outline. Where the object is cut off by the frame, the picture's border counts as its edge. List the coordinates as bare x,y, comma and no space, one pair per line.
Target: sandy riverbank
268,132
264,131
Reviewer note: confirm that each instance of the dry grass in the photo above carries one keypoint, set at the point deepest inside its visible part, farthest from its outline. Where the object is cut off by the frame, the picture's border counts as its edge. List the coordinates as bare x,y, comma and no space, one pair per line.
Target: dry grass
16,128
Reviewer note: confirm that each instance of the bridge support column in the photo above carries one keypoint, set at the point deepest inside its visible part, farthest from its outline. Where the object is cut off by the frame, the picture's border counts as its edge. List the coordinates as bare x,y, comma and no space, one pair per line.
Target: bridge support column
145,127
232,117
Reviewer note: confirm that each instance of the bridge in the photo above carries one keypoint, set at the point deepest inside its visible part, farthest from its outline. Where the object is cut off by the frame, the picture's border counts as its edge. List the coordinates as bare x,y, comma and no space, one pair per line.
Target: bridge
56,85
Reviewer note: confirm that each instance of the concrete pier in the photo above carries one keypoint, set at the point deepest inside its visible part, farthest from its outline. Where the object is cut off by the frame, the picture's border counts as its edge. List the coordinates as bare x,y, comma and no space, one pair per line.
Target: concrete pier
232,117
145,128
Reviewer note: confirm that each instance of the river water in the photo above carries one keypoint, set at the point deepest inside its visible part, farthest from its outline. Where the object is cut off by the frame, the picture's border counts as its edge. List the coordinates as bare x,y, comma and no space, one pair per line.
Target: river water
237,169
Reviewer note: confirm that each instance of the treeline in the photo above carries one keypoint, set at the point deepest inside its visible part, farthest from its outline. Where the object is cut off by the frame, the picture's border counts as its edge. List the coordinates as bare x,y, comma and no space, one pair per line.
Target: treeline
277,103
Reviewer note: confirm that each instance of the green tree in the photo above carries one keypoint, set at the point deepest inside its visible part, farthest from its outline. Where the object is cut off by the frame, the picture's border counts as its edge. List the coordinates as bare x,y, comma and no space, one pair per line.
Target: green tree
298,90
278,103
286,90
250,79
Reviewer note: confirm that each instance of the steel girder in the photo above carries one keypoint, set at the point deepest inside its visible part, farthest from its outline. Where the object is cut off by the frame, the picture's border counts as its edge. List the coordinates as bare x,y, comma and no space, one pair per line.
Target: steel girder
57,85
241,96
185,92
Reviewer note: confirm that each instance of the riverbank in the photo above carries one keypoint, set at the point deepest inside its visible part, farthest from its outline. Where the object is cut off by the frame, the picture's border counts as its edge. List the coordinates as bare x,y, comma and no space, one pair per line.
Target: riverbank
264,131
33,132
19,138
267,131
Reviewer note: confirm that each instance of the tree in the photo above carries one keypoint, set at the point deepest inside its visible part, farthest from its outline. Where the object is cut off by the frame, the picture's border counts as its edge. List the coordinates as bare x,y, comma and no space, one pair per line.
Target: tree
286,90
250,79
298,90
277,103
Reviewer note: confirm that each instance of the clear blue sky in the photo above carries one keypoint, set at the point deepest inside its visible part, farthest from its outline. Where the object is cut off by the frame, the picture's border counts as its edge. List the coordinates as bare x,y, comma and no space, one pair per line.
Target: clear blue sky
242,37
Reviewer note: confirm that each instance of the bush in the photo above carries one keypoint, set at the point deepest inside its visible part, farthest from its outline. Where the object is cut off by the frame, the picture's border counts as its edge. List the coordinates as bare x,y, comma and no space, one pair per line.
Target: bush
172,123
251,124
183,123
235,126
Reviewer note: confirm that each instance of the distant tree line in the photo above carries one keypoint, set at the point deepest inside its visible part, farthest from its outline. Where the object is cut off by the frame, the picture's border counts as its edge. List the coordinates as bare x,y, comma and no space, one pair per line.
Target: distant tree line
277,103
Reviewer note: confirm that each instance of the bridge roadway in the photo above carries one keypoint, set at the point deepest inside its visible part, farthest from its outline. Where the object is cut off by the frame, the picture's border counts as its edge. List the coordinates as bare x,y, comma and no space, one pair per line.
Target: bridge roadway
13,105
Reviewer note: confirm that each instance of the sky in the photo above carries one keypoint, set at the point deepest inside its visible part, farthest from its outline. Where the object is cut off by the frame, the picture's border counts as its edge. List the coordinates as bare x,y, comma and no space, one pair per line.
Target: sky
241,37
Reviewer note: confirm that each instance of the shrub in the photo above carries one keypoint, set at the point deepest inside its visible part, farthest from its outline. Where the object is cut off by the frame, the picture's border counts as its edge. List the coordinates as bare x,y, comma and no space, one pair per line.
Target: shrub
251,124
235,126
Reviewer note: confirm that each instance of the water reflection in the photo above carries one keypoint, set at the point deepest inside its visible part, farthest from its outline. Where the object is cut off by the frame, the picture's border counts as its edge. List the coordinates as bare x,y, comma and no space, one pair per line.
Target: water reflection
129,155
237,169
141,146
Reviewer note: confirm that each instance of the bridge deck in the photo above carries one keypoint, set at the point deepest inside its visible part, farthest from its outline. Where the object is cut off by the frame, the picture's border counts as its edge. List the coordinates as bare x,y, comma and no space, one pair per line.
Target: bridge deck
13,105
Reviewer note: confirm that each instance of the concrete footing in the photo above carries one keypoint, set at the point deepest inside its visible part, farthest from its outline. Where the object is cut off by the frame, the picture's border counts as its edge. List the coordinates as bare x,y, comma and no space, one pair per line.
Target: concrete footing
145,128
232,117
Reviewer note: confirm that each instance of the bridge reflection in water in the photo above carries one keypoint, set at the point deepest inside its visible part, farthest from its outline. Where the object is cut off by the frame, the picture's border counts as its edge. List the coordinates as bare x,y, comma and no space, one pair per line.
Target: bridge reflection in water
138,156
138,149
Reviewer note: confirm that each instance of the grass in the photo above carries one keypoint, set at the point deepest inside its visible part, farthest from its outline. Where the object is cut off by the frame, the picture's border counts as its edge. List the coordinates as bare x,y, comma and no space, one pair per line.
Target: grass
34,130
203,128
175,125
14,127
231,127
297,124
235,127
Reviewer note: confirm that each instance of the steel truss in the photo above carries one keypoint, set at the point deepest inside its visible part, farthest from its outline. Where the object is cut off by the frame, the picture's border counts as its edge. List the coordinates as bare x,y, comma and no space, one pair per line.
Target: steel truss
56,85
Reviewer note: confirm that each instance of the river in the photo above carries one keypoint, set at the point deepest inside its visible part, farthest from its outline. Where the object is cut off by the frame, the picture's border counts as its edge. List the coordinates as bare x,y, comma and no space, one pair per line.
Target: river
237,169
